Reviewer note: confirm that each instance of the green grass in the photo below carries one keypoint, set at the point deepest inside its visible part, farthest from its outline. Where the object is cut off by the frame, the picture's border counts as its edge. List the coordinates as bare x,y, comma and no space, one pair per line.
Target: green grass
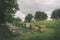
50,34
49,24
27,34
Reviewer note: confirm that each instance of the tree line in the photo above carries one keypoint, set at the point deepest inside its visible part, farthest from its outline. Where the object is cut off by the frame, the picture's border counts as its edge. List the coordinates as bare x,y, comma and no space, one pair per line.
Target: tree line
9,7
43,16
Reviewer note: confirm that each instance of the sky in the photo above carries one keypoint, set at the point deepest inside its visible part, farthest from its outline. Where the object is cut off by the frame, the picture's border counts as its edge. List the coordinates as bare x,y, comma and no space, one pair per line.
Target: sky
31,6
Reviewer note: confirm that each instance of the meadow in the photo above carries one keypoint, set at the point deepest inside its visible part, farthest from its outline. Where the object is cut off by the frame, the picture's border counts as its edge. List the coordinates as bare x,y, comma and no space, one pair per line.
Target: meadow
51,34
49,24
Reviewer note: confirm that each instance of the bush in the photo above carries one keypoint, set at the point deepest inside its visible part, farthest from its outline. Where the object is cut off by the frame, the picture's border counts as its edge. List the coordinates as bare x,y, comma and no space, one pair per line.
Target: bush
4,32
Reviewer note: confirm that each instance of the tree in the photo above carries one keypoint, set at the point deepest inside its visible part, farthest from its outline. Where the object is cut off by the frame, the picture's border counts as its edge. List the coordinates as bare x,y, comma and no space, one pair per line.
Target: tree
28,18
55,14
7,10
40,16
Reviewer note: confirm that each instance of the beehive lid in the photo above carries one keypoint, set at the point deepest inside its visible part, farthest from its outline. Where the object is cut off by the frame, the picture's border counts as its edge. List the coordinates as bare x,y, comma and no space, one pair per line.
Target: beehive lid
15,28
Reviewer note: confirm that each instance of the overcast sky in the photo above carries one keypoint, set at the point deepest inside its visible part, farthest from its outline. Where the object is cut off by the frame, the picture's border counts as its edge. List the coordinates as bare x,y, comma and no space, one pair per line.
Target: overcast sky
31,6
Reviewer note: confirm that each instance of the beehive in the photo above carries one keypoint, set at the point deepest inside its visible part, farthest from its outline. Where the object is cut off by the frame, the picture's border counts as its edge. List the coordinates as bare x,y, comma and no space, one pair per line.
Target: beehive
42,28
32,27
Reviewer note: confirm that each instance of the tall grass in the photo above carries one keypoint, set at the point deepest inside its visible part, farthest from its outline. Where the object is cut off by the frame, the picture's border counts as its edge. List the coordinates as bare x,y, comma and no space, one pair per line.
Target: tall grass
50,34
49,24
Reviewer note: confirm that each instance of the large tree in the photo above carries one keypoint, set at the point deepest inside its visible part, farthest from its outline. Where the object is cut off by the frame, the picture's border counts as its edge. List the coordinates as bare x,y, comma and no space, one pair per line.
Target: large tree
55,14
28,18
40,16
7,10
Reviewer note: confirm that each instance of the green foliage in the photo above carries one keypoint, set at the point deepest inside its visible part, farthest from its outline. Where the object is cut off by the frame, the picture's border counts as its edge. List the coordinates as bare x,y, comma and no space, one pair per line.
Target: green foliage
56,14
7,9
28,18
57,33
40,16
16,21
4,32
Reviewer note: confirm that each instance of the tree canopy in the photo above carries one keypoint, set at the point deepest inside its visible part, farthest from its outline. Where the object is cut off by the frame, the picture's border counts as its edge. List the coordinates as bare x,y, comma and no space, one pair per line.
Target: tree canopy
28,18
7,9
56,14
40,16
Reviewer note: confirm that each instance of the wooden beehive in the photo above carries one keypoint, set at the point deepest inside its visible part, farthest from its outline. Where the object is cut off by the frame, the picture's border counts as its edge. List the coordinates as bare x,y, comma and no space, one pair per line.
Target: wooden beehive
42,28
32,27
14,30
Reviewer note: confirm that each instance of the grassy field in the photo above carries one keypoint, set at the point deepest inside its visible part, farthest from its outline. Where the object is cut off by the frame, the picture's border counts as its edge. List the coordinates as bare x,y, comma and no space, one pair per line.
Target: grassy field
50,34
49,24
28,34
